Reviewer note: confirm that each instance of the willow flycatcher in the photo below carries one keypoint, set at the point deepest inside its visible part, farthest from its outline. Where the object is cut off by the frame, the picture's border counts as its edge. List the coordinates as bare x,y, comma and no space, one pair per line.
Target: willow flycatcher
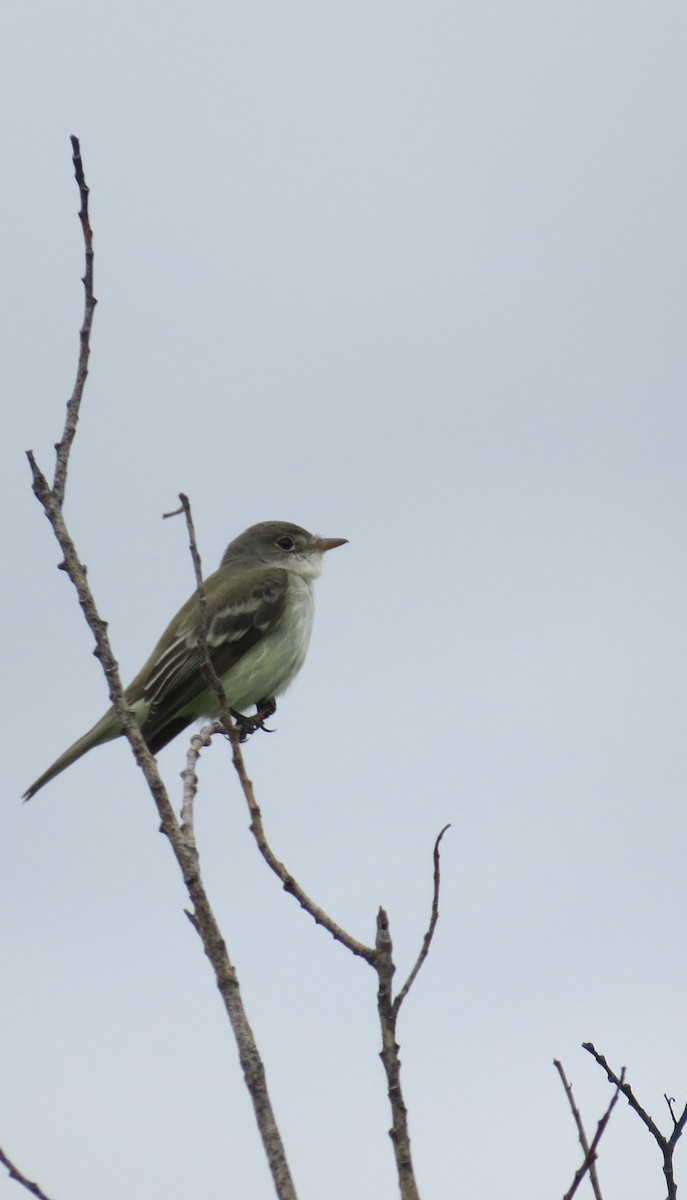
260,609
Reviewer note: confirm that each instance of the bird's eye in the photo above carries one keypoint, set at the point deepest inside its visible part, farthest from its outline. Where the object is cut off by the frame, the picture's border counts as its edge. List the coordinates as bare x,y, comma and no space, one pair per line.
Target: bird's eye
285,543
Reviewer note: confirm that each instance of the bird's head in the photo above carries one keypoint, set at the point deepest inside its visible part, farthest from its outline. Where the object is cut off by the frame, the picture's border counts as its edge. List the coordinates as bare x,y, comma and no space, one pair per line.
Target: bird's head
280,544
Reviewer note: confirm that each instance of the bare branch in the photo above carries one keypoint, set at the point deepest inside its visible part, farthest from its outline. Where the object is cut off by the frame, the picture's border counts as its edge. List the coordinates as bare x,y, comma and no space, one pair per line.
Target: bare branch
211,677
427,940
391,1062
380,957
256,826
666,1145
63,447
199,740
627,1092
182,842
16,1174
670,1100
591,1153
588,1159
388,1010
76,571
291,885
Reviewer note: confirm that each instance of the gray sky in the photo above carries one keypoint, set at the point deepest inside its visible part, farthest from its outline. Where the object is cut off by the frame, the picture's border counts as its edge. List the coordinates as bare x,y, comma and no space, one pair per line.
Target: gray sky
411,274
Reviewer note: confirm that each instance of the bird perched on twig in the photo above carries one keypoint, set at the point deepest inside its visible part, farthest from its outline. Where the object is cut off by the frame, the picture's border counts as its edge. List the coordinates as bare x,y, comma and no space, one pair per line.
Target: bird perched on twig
260,609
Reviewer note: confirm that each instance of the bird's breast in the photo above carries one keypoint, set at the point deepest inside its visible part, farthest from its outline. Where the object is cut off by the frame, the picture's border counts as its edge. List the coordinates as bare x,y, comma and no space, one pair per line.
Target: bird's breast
270,666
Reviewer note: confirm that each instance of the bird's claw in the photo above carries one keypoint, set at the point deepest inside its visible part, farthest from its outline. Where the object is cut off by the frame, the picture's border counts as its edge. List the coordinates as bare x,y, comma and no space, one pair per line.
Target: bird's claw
247,725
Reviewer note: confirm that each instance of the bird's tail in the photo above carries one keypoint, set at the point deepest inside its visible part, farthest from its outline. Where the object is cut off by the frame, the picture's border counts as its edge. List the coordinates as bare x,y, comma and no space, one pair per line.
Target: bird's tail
107,727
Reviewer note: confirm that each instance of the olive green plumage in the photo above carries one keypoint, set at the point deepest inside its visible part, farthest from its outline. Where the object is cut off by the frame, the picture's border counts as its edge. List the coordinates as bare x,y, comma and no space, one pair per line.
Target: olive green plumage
259,611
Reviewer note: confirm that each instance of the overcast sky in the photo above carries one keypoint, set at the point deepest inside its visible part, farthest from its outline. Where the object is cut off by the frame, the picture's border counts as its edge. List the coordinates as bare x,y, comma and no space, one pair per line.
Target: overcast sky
411,274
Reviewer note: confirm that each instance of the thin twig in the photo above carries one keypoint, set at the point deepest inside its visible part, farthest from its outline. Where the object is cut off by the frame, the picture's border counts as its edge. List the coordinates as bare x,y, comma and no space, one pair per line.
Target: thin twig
666,1145
593,1178
388,1010
290,884
76,571
380,957
627,1092
209,672
199,740
256,826
388,1014
17,1175
74,403
591,1153
427,940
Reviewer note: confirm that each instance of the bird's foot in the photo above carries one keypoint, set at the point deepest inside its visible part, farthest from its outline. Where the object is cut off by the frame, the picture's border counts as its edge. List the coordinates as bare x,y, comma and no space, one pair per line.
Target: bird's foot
247,725
266,709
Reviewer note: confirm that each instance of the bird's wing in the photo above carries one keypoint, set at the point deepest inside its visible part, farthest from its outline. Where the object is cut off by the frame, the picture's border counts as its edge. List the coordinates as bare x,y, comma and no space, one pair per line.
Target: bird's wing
239,613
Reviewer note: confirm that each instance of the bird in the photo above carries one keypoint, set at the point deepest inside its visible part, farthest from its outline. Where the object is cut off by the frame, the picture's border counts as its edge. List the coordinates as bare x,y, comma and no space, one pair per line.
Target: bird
260,609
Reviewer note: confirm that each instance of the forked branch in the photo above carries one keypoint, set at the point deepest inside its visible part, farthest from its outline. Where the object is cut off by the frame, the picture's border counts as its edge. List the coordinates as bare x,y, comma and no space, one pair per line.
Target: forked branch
665,1144
380,957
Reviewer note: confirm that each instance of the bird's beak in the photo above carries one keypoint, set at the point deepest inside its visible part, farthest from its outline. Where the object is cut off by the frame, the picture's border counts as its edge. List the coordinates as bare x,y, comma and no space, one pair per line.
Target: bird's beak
323,544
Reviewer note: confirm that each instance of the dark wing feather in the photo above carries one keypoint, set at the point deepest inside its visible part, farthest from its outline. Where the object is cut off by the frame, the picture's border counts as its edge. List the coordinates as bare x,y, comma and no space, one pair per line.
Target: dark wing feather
240,612
159,738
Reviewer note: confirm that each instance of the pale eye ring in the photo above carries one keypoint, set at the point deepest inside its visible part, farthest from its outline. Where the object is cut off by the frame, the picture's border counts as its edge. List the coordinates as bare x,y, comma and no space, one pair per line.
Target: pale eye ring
285,543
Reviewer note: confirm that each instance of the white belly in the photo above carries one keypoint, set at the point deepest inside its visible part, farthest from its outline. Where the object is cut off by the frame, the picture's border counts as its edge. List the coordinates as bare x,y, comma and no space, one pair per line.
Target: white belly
271,665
